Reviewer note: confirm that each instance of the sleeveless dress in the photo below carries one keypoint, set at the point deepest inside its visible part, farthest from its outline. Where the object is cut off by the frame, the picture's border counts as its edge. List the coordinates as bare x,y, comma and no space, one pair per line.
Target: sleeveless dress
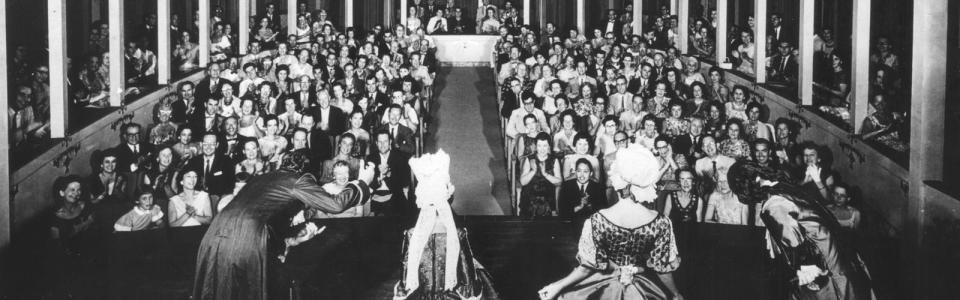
538,198
624,260
681,214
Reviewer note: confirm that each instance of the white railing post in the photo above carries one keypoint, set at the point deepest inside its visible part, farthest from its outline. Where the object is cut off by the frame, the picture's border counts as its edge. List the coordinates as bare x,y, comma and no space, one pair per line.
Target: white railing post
760,40
163,42
806,52
117,77
721,39
860,66
57,40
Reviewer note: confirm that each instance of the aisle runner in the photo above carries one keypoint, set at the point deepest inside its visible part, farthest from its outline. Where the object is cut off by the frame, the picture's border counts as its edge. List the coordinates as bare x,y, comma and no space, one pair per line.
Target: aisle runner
466,126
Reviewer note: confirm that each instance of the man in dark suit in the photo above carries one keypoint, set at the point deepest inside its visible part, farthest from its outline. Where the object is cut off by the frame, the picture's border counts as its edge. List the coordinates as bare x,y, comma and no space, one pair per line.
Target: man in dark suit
783,66
580,197
215,170
780,32
613,24
402,136
331,69
391,179
206,121
457,24
187,105
329,119
318,142
210,85
131,151
642,85
306,95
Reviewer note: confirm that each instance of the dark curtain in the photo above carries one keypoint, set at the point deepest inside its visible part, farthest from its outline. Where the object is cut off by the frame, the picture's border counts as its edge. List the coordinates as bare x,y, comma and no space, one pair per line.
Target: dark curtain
561,13
367,13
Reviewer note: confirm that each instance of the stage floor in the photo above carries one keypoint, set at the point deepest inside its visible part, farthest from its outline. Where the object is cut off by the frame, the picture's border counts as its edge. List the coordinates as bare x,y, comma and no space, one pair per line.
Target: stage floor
718,261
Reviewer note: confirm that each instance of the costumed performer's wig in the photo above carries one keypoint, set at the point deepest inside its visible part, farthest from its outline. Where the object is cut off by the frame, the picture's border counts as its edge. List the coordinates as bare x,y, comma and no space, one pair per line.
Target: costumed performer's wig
638,169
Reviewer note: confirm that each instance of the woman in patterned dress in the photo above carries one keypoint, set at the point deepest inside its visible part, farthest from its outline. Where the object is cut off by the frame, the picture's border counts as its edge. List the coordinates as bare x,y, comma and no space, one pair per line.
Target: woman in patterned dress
622,247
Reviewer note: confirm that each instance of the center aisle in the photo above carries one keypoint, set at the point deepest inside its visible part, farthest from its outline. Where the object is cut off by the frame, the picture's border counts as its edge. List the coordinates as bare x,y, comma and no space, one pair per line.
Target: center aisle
466,125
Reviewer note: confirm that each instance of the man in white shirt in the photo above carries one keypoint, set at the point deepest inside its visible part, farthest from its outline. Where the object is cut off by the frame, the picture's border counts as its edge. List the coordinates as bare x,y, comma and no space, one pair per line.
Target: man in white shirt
621,100
437,24
515,125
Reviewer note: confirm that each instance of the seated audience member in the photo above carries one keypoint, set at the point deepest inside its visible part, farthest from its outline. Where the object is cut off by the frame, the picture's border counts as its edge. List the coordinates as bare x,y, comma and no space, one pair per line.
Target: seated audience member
24,124
457,23
884,126
712,164
783,66
186,148
214,170
525,144
438,24
131,151
734,145
190,207
164,131
272,143
207,121
724,207
686,204
816,175
764,156
144,216
581,196
252,162
581,149
344,154
516,125
647,133
341,176
185,53
70,231
540,175
391,178
754,128
563,136
401,135
848,216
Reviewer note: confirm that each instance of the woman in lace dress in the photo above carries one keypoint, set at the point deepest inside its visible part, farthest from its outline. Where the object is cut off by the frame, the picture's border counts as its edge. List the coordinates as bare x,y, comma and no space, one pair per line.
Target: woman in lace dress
622,247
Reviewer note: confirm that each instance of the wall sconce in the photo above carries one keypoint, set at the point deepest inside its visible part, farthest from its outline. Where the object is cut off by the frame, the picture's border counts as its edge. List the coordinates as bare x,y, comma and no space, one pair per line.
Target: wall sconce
64,158
854,155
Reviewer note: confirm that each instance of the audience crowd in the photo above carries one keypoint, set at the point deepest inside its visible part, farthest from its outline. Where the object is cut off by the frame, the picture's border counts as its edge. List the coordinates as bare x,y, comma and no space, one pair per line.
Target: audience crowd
343,95
569,103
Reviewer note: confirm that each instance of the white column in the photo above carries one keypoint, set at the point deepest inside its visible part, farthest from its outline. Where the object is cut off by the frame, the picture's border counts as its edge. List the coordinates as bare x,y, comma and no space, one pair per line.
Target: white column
526,12
57,39
403,13
860,66
638,17
253,8
348,11
683,25
163,42
5,146
204,32
291,18
760,40
117,77
927,115
581,17
721,39
243,14
806,52
674,6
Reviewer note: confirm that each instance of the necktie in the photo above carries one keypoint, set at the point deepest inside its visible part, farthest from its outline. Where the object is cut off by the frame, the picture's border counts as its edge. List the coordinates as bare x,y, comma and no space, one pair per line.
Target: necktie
136,149
206,169
393,132
583,189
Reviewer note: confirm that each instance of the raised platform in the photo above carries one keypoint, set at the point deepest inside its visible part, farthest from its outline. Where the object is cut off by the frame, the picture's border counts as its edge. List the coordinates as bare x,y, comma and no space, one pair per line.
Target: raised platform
718,261
465,50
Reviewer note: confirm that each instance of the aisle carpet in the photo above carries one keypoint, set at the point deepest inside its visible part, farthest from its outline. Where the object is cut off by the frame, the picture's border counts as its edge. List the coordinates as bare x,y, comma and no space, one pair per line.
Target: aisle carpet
466,126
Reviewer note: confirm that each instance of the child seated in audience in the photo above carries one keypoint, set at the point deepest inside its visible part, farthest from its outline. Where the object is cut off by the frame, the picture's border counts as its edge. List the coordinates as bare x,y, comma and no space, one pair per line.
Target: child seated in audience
144,216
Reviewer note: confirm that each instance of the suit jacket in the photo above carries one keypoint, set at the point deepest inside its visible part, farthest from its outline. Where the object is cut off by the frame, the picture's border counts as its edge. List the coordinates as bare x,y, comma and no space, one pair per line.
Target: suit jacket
784,71
204,91
570,198
181,113
198,125
220,179
125,155
399,170
235,152
638,87
464,25
617,27
321,147
337,123
404,139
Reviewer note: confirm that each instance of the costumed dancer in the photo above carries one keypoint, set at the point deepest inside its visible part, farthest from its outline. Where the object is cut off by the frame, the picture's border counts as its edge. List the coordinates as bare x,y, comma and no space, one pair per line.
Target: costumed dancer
233,258
802,234
463,277
622,247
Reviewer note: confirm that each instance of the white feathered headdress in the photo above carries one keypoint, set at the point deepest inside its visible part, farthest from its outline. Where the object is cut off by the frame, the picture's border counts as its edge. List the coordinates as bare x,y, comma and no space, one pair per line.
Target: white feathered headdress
636,167
433,177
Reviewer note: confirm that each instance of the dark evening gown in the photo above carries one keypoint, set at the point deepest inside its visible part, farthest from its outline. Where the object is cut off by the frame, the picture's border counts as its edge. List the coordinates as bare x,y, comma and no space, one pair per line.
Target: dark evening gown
611,251
232,262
